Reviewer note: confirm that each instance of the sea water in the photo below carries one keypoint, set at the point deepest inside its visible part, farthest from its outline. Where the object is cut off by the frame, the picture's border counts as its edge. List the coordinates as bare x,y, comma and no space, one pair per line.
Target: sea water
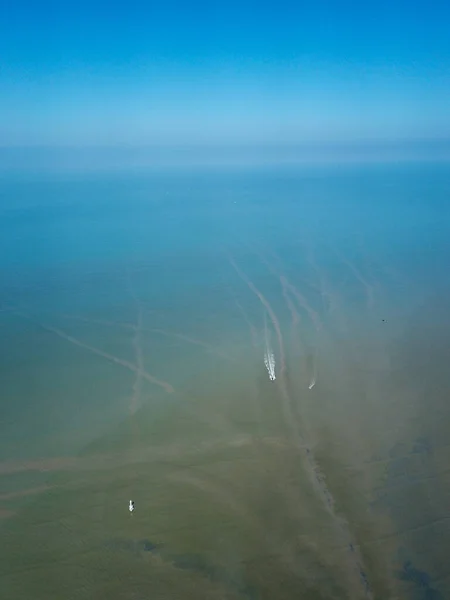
136,313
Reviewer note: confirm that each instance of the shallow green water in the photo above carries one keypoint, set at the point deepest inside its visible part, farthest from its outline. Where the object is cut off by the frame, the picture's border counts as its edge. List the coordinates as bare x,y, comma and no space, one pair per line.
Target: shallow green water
132,366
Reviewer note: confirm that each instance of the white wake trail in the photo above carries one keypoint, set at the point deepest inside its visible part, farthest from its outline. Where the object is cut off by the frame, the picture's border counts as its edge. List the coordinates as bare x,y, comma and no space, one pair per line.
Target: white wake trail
269,357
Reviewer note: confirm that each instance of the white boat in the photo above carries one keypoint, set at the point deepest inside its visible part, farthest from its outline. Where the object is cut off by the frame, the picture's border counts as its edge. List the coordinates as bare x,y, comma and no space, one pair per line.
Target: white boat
269,361
269,357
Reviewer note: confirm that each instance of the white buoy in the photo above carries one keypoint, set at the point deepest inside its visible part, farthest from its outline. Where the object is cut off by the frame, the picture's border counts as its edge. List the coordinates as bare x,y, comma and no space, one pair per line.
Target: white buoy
131,506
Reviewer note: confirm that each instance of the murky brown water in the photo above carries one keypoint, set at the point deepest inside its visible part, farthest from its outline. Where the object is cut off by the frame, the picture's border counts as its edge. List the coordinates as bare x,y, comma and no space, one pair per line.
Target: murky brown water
145,379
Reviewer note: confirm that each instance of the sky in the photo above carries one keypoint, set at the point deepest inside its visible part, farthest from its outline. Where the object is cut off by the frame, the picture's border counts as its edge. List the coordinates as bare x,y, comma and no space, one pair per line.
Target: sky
175,73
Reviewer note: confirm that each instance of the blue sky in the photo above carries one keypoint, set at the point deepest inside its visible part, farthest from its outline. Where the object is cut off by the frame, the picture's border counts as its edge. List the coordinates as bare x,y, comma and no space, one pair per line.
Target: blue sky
230,72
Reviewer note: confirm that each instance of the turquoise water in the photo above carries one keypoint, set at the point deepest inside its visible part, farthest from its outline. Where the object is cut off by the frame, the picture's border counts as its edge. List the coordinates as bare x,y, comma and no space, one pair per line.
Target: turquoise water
136,310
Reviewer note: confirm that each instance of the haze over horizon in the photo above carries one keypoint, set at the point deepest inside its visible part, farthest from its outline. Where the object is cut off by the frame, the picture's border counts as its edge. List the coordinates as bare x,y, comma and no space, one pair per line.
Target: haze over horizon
224,249
212,74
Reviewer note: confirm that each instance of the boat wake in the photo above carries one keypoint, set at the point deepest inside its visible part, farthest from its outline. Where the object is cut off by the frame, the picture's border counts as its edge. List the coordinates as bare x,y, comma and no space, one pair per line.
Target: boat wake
314,373
269,361
269,357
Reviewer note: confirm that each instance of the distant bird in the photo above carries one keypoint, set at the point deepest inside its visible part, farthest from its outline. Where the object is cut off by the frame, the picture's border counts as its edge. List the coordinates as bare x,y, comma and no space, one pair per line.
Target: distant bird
131,506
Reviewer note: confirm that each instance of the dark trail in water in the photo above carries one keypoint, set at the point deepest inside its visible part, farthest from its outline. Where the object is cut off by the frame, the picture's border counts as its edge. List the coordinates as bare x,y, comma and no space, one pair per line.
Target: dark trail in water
317,478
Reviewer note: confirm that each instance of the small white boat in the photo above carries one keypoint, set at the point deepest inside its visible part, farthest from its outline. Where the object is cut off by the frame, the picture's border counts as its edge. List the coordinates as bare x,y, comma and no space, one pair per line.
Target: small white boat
269,361
131,506
269,357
